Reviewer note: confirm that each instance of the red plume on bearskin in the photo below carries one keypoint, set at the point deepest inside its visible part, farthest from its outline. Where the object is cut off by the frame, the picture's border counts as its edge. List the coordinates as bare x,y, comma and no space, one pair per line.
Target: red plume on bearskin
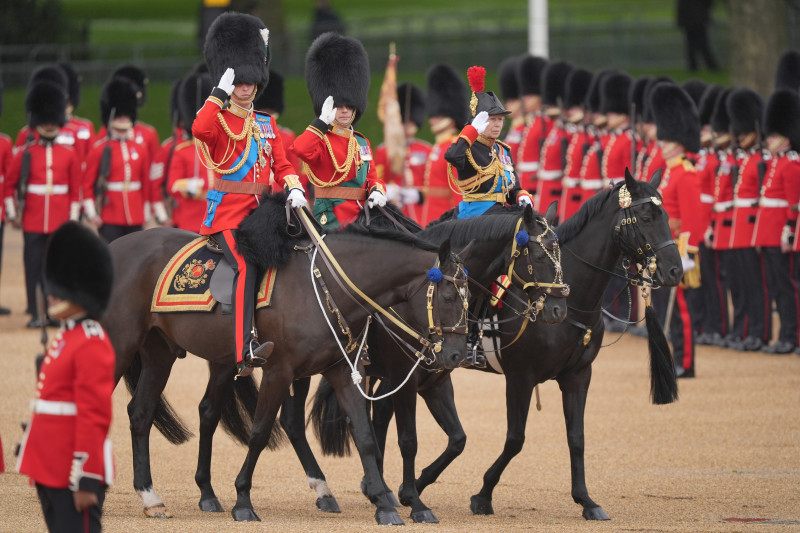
477,78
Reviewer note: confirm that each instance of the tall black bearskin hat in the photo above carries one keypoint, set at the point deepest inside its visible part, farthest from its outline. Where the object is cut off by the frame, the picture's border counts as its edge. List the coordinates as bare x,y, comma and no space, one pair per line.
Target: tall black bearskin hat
52,74
137,76
720,121
707,103
695,88
193,91
577,85
746,109
647,109
447,94
614,93
73,83
636,95
782,116
554,82
271,96
483,100
46,103
676,116
119,98
78,268
592,101
412,103
787,76
338,66
507,78
529,74
1,96
240,42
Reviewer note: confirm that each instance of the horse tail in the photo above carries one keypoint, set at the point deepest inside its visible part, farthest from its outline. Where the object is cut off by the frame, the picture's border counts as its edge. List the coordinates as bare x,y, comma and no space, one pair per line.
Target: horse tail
330,425
238,409
166,419
663,385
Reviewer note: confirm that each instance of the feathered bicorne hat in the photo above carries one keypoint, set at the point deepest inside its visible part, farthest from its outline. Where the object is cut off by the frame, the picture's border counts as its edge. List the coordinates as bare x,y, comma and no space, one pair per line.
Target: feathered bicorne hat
240,42
137,76
676,116
447,94
636,95
577,85
338,66
193,90
507,78
46,103
412,103
119,98
707,103
614,93
554,82
746,110
720,121
787,75
782,116
271,97
529,74
78,268
482,100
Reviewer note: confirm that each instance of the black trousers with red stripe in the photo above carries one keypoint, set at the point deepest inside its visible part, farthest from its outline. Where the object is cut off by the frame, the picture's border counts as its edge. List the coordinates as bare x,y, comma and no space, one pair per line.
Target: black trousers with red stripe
33,247
61,516
712,304
782,289
244,288
680,327
751,316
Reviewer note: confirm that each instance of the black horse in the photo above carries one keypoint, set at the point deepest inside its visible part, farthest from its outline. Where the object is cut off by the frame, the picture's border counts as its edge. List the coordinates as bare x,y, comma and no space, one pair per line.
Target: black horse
148,343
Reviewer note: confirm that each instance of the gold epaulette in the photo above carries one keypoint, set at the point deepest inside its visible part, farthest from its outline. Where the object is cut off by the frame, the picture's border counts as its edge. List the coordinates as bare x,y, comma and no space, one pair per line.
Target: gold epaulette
316,131
504,145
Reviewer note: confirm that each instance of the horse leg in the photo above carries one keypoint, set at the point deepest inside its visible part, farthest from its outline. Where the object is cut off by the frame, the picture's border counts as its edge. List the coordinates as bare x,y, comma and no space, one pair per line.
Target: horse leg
519,389
574,387
292,420
354,406
382,413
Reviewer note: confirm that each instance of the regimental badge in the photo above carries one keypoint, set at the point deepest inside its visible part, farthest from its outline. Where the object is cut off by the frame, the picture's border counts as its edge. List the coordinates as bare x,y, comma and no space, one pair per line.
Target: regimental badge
417,157
323,219
134,154
193,274
366,153
267,149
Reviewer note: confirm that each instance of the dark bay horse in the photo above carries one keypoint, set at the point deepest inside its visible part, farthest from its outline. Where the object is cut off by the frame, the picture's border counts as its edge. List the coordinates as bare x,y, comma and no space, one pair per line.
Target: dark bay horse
626,221
147,344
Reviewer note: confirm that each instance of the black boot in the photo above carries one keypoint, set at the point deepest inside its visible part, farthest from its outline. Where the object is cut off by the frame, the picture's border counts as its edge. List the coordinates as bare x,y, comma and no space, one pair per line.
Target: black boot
257,357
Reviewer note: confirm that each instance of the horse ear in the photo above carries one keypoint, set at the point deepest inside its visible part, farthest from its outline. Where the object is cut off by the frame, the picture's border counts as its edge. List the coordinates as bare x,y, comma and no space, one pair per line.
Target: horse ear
630,182
552,212
655,179
444,252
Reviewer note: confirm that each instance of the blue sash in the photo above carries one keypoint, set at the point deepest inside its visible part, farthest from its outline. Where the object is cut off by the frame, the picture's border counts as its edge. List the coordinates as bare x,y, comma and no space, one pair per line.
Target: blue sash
476,209
214,198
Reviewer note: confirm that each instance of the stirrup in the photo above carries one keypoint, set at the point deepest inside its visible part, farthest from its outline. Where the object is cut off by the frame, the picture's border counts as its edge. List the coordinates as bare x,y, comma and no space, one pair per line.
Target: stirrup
243,370
259,356
475,359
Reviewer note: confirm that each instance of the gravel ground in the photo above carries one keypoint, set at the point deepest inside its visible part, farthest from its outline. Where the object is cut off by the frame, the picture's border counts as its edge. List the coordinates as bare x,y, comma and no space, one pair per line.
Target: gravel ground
725,457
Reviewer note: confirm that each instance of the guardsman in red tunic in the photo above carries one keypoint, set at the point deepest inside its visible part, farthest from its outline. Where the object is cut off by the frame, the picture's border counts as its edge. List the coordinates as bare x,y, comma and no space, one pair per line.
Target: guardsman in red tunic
649,158
337,159
243,150
537,126
776,217
577,86
678,127
596,139
162,160
509,92
552,160
43,184
447,114
66,450
83,127
116,182
5,159
405,188
615,104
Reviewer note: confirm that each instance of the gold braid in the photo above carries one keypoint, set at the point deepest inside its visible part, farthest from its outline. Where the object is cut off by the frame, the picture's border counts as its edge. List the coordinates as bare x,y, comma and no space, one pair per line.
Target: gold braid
484,174
249,130
352,148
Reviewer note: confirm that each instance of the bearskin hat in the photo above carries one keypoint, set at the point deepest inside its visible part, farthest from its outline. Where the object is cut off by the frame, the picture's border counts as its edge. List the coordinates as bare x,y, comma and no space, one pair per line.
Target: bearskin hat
73,83
483,100
554,82
746,109
120,98
235,40
412,103
787,75
46,103
338,66
271,96
720,121
192,93
695,88
676,116
592,101
647,111
636,96
78,268
1,97
52,74
577,85
529,74
707,103
614,92
135,75
507,78
782,116
447,94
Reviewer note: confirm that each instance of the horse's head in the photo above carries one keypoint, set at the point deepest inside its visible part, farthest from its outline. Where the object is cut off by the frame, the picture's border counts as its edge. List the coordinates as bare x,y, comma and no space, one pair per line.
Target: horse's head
642,232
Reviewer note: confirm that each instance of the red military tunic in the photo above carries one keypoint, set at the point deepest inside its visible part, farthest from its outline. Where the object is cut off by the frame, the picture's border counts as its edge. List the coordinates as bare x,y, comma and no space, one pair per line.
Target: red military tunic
514,135
314,147
72,410
616,156
706,167
591,177
652,161
142,133
6,149
77,133
572,194
745,199
417,152
527,156
722,216
188,181
287,138
549,184
438,196
780,192
680,191
53,186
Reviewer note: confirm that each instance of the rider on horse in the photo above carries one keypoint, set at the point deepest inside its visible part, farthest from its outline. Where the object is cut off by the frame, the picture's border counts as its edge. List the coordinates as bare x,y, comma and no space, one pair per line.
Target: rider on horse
243,153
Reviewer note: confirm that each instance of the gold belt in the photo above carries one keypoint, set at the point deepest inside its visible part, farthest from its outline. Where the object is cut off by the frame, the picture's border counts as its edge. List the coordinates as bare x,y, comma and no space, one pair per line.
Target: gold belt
341,193
499,197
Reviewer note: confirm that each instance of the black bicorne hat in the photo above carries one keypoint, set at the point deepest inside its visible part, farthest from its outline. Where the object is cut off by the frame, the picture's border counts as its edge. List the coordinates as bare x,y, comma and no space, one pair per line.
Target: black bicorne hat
614,93
636,95
746,110
236,40
695,88
137,76
271,96
119,95
194,89
46,103
529,74
787,75
554,82
78,268
412,103
507,78
676,116
338,66
447,94
720,121
74,83
483,100
707,103
577,85
782,116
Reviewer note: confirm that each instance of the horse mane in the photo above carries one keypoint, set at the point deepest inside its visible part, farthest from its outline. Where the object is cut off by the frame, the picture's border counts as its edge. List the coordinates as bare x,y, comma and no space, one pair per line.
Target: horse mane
388,234
263,239
574,224
491,226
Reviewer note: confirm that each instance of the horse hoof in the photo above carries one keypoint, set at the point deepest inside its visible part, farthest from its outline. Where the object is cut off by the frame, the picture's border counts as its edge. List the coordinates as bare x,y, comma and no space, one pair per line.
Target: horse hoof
392,498
328,504
425,516
480,505
244,514
211,505
388,518
595,513
158,510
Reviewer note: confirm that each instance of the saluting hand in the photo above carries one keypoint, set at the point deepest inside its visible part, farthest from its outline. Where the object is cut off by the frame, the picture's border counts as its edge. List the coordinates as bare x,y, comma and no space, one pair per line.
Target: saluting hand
226,81
481,121
328,112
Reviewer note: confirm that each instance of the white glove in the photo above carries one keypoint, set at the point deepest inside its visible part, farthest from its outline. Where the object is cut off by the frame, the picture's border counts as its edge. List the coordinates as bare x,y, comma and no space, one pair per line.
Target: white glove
226,81
523,200
328,112
192,186
376,198
480,121
708,237
410,195
687,263
297,198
